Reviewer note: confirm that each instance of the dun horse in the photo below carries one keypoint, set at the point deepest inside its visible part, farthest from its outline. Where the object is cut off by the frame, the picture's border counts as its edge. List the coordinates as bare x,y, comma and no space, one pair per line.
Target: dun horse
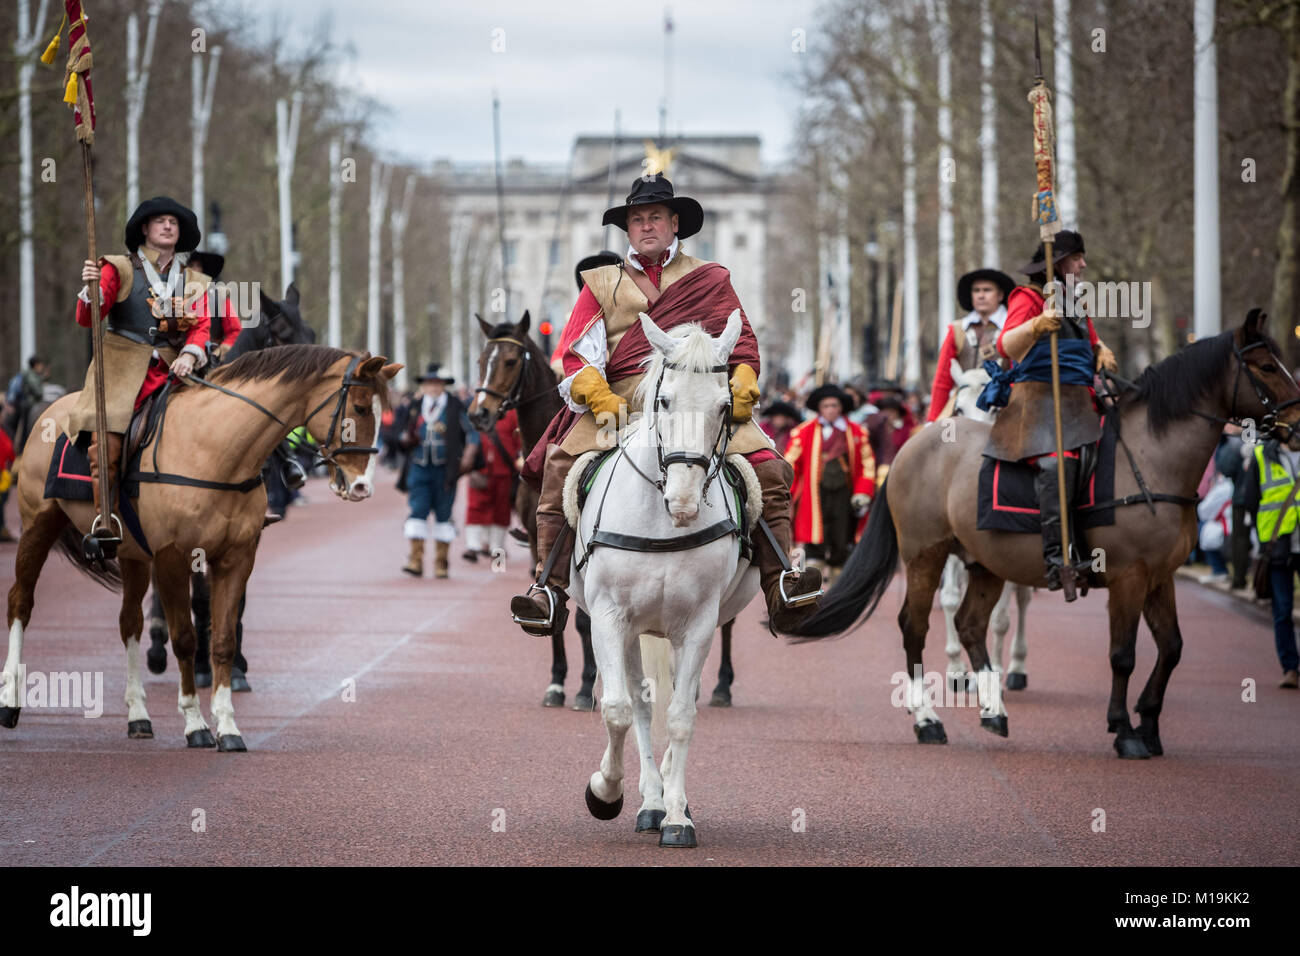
1170,422
215,436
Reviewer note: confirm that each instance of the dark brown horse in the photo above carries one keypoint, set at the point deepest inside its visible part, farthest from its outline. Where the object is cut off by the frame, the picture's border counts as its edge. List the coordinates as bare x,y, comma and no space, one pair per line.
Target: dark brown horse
1170,421
515,372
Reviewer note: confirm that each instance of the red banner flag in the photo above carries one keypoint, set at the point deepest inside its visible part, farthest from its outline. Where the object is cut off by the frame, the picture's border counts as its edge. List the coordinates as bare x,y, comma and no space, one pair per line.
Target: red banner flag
77,92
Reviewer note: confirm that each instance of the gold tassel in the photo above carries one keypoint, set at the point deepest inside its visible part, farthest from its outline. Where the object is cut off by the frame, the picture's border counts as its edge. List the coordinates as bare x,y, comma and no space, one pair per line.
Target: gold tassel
48,56
70,92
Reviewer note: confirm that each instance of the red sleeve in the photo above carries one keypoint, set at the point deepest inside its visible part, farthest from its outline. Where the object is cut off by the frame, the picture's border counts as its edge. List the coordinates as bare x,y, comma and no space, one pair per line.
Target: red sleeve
109,283
864,482
198,334
1022,305
585,311
230,324
942,387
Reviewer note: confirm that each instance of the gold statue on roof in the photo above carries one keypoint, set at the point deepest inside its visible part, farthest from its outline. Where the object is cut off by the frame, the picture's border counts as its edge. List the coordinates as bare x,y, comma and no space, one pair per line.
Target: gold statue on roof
657,160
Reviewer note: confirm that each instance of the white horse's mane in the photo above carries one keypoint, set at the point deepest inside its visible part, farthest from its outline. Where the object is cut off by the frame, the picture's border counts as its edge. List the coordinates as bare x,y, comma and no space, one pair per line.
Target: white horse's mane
696,352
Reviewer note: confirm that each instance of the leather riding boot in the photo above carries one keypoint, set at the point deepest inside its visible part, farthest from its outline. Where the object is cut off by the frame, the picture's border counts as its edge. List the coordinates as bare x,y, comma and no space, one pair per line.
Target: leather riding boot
440,550
114,463
801,587
1049,507
414,565
553,535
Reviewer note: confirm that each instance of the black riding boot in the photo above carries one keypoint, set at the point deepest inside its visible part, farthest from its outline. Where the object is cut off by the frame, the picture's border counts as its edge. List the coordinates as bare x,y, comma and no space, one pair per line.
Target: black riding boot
1049,508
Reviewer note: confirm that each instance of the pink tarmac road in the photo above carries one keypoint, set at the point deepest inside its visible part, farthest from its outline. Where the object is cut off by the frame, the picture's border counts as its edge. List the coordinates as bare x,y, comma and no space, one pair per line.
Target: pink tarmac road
445,756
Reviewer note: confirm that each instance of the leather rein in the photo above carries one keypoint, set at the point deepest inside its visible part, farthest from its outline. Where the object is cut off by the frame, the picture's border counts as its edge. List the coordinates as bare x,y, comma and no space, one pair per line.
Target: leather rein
323,455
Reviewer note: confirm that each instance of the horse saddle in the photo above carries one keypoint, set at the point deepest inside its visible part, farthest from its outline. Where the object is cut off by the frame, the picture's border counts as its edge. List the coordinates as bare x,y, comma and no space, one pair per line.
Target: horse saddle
1007,500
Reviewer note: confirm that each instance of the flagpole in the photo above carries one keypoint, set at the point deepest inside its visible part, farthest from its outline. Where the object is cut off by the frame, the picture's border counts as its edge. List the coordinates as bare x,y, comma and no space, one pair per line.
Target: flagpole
105,515
1049,225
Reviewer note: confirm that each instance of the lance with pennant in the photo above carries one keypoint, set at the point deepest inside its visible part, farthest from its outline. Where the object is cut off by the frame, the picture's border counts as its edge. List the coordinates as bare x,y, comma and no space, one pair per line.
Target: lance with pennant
1049,224
101,542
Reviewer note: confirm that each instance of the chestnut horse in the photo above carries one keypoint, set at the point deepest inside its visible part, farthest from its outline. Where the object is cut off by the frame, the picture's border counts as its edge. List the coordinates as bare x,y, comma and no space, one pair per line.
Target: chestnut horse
1170,421
216,436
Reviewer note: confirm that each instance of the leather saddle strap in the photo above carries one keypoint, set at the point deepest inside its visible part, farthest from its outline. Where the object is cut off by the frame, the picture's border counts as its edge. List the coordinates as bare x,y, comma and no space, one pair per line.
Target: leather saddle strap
776,547
644,284
633,542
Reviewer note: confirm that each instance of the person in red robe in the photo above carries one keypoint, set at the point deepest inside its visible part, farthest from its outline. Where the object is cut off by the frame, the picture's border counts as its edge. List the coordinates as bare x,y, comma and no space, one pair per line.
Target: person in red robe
491,489
833,478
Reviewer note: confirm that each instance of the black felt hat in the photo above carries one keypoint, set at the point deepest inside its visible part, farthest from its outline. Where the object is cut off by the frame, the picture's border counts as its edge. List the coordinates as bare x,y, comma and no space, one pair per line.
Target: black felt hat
1066,244
999,279
605,258
831,391
647,191
437,372
781,408
209,263
189,237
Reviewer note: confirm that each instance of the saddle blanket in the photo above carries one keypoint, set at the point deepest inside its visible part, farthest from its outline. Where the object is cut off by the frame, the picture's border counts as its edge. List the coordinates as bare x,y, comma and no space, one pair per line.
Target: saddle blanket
69,474
1007,500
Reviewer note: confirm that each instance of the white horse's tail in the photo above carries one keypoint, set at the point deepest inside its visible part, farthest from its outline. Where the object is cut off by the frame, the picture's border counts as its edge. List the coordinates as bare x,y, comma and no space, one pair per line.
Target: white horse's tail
657,664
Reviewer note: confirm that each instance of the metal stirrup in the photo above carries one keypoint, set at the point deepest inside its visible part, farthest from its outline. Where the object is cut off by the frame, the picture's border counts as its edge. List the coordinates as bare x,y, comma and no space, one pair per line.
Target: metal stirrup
799,600
549,620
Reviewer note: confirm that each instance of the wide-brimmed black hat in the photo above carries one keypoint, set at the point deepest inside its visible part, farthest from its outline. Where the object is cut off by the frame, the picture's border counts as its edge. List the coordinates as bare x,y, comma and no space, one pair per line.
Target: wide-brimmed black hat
656,189
605,258
781,408
831,391
1066,243
189,237
207,262
999,279
437,372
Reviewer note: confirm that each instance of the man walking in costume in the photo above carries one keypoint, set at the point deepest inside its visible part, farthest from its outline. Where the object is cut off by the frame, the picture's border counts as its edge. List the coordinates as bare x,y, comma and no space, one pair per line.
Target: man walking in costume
443,447
157,323
1024,430
601,349
833,478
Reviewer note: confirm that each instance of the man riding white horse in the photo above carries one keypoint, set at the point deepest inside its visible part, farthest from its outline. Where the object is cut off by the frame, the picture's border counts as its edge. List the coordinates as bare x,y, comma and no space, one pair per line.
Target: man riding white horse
600,381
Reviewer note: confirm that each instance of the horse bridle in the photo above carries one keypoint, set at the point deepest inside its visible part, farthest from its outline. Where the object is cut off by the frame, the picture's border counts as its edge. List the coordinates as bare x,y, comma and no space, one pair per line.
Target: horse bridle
1268,424
711,463
513,400
322,454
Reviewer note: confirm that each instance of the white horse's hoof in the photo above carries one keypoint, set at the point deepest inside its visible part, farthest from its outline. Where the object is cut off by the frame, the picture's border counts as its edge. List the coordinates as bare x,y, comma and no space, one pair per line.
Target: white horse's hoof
602,810
678,835
997,725
1017,681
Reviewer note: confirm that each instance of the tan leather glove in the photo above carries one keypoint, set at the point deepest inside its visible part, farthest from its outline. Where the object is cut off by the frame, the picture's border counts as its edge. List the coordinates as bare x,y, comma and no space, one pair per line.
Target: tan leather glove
590,388
744,393
1045,324
1106,359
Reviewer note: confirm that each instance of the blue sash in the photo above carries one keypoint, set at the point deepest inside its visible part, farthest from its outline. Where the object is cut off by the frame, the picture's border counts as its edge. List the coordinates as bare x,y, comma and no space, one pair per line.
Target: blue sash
1074,357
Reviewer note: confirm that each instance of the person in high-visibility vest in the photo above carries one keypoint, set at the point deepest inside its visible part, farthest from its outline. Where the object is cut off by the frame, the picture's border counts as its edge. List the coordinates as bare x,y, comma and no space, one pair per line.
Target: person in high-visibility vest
1270,496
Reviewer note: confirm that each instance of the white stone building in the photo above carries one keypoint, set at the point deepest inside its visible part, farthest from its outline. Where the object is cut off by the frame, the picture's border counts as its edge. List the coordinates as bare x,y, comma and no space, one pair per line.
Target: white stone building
549,227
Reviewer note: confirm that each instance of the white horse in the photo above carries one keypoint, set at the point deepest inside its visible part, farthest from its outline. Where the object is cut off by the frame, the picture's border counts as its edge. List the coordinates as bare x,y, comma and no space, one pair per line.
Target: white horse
663,483
966,388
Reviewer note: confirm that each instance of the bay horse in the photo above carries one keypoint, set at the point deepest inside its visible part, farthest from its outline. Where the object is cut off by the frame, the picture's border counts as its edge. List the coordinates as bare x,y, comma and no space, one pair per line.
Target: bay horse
663,562
1170,421
968,383
515,372
215,435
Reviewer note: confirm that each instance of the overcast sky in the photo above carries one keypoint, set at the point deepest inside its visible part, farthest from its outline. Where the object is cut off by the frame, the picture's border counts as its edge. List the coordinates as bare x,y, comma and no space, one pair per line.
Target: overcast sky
566,67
